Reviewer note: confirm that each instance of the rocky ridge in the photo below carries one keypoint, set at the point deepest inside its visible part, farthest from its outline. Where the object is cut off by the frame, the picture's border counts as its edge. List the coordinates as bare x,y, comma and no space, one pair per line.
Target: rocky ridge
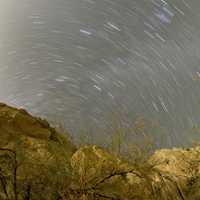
38,162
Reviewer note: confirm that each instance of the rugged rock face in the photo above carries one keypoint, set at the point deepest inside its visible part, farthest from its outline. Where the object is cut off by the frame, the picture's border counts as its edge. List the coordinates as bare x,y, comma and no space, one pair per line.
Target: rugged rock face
167,175
181,167
100,171
40,153
39,163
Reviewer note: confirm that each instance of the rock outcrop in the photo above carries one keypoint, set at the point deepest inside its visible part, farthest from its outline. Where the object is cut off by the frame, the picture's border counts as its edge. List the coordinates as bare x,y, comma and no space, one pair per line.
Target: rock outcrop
167,175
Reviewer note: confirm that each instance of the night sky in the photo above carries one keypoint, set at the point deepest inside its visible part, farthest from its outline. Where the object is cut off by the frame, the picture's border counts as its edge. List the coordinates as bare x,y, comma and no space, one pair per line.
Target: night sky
75,61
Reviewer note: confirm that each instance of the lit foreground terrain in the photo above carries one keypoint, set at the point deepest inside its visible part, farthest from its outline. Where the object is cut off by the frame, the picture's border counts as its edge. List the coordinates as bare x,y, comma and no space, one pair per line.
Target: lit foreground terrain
37,162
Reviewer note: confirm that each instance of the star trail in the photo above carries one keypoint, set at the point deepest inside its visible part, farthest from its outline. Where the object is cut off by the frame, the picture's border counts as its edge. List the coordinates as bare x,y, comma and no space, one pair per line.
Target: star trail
74,61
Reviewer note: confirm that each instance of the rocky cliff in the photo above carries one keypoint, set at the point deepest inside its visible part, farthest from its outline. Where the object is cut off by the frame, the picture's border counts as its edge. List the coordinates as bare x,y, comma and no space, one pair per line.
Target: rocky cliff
37,162
39,153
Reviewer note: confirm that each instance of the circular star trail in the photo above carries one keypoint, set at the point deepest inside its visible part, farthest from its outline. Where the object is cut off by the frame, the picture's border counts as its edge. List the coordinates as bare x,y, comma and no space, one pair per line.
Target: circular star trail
74,62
